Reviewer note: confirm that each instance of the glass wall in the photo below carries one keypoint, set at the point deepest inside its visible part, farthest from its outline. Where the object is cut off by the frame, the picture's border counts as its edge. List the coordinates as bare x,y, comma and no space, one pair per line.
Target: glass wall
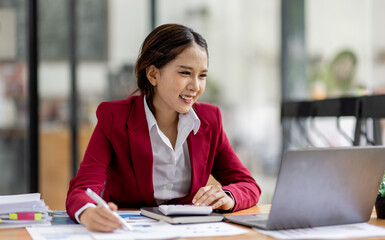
14,173
340,47
243,38
350,61
243,79
345,57
109,34
53,86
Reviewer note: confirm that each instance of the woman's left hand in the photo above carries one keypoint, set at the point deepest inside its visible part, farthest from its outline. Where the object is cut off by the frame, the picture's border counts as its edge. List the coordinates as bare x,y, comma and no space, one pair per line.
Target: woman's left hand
213,195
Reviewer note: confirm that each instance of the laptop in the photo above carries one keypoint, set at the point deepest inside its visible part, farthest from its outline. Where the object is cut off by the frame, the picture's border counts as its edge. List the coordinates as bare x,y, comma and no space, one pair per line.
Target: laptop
321,187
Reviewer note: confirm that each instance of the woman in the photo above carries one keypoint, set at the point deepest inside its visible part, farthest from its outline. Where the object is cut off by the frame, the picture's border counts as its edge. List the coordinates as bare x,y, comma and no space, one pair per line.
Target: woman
161,147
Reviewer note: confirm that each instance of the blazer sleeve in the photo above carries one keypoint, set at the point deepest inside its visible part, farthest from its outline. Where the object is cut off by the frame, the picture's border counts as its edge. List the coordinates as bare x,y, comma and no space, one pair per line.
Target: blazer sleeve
95,165
232,174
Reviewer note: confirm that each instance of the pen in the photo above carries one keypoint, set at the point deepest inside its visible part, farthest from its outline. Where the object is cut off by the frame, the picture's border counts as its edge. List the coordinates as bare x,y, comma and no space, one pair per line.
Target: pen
102,203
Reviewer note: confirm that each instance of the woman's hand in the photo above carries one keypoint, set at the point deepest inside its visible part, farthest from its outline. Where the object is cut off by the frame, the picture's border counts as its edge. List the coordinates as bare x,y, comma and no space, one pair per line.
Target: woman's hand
213,195
99,219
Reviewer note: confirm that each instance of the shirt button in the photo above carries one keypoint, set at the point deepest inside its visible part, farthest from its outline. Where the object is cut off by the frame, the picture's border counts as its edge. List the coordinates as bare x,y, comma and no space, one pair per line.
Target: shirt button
169,186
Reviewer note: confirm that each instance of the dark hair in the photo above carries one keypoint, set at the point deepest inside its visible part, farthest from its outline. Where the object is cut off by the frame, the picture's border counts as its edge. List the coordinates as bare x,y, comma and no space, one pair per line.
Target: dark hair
160,47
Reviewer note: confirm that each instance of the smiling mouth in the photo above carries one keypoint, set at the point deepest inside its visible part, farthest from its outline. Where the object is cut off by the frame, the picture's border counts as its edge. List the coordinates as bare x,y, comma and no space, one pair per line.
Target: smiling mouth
188,98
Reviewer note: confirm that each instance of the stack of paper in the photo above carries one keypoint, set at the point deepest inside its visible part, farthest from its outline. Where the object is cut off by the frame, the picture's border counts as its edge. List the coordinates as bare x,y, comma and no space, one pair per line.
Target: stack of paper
23,210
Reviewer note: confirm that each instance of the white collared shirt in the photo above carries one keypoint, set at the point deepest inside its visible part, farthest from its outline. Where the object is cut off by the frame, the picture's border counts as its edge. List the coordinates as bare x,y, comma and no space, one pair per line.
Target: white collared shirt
171,175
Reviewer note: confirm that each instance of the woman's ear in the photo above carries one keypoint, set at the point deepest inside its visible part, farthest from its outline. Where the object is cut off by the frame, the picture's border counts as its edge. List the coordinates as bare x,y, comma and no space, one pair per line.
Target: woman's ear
152,74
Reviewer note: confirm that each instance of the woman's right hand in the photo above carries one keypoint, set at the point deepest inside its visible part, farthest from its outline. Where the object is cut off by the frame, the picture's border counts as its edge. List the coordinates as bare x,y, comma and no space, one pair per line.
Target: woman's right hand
99,219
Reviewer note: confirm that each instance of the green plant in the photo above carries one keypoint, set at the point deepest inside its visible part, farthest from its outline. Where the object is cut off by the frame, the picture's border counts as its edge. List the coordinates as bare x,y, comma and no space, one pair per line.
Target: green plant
381,191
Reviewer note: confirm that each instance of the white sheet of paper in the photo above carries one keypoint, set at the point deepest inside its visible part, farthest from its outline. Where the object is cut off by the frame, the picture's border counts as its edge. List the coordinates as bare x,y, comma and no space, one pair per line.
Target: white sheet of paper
29,202
76,231
209,229
6,199
142,230
163,230
64,232
357,230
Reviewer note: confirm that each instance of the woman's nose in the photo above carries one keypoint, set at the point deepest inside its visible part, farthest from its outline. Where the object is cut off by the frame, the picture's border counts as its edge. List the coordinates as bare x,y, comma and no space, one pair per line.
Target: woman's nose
194,84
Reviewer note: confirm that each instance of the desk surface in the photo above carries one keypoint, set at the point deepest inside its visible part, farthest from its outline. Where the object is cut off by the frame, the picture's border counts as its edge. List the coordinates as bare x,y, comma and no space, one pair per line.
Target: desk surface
22,234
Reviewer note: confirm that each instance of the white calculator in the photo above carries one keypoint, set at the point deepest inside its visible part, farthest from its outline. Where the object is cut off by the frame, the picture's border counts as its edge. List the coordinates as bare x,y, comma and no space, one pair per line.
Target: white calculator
185,210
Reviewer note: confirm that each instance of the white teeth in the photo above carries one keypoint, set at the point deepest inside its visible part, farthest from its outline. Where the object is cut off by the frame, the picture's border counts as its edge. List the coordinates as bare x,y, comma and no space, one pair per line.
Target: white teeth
185,97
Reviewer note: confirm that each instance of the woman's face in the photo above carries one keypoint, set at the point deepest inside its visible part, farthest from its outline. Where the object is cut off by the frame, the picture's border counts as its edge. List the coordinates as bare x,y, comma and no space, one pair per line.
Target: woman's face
180,82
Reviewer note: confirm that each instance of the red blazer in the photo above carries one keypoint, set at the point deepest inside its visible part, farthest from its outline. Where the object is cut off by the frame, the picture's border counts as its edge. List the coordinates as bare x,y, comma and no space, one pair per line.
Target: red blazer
118,160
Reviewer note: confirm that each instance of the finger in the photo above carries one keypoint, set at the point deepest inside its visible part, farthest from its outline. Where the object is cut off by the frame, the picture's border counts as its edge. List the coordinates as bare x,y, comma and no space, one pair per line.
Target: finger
103,225
200,193
206,198
224,203
95,221
107,217
219,203
94,218
113,206
100,227
211,198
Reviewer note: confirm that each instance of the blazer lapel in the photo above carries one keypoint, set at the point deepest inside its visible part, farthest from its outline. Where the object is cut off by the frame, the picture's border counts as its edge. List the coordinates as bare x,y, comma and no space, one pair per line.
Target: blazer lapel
199,149
140,149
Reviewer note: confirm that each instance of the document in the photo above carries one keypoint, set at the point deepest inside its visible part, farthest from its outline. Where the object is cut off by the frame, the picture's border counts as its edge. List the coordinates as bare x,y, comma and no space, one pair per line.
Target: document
17,198
163,230
62,232
22,210
154,230
357,230
144,228
209,229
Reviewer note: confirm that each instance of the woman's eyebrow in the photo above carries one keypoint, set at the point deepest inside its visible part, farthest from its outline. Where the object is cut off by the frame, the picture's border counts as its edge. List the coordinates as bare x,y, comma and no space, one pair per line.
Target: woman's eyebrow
187,67
190,68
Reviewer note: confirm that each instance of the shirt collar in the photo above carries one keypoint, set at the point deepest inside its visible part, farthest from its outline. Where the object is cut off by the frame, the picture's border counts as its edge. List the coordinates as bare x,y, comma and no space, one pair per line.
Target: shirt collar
188,118
151,121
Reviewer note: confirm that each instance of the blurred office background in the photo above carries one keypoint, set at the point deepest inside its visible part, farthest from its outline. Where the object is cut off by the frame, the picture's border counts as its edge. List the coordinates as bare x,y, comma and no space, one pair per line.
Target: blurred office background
261,53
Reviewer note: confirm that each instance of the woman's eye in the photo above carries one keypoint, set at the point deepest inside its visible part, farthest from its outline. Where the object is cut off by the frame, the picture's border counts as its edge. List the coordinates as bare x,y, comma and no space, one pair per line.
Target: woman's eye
203,75
185,73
